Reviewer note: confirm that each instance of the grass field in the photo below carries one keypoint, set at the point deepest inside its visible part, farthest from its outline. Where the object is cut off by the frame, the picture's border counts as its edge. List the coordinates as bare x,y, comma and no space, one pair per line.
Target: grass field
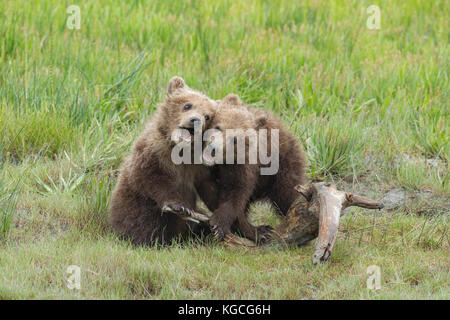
370,106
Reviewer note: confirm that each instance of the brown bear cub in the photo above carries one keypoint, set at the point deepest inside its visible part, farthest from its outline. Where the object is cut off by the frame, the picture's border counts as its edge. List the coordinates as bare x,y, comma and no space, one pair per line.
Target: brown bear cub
241,184
152,192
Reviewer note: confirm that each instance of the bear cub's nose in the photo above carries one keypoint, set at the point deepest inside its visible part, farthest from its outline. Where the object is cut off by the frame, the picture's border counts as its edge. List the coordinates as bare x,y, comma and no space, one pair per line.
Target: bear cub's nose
194,120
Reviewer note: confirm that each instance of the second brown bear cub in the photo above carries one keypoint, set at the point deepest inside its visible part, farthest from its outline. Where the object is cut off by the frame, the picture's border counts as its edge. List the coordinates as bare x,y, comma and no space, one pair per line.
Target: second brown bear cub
241,184
152,192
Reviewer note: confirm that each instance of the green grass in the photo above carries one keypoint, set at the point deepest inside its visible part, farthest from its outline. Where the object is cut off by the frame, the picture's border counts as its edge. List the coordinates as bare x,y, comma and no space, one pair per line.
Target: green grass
334,148
413,175
8,203
371,109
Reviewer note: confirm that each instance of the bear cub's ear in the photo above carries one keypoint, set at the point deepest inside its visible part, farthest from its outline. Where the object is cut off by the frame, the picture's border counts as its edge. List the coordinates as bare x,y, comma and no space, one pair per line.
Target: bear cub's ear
233,99
174,84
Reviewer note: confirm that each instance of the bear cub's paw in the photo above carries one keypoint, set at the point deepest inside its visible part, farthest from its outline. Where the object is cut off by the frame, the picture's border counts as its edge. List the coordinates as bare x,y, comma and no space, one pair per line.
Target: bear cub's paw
178,209
218,232
219,228
264,233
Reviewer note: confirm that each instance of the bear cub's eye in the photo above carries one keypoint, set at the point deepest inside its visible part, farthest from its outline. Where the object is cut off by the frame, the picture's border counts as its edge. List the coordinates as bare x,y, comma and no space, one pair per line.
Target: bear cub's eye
187,106
207,117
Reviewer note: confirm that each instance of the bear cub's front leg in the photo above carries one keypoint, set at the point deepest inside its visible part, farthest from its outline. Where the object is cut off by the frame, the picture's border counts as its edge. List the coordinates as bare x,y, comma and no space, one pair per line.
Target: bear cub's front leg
225,216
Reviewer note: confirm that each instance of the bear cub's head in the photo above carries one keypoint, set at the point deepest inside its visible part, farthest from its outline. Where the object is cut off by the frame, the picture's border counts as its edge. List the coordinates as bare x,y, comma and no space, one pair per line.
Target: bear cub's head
184,110
232,131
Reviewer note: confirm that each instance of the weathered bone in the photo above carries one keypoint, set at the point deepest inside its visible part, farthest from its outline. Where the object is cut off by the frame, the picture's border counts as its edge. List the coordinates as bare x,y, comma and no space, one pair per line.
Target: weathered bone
316,213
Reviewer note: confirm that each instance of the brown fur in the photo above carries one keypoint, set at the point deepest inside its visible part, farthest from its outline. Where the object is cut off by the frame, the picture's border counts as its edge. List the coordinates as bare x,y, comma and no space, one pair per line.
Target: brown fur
241,184
149,180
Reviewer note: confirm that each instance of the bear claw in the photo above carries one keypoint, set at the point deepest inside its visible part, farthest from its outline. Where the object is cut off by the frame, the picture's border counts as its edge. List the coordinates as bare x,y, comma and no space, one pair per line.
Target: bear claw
180,211
264,233
218,233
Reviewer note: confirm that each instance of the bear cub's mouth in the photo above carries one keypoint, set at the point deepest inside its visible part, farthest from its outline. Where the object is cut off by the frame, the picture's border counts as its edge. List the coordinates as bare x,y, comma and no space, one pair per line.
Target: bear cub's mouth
191,130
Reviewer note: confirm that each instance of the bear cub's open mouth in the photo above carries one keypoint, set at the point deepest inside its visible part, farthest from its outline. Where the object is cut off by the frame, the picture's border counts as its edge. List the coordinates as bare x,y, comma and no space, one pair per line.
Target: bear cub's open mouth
191,130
